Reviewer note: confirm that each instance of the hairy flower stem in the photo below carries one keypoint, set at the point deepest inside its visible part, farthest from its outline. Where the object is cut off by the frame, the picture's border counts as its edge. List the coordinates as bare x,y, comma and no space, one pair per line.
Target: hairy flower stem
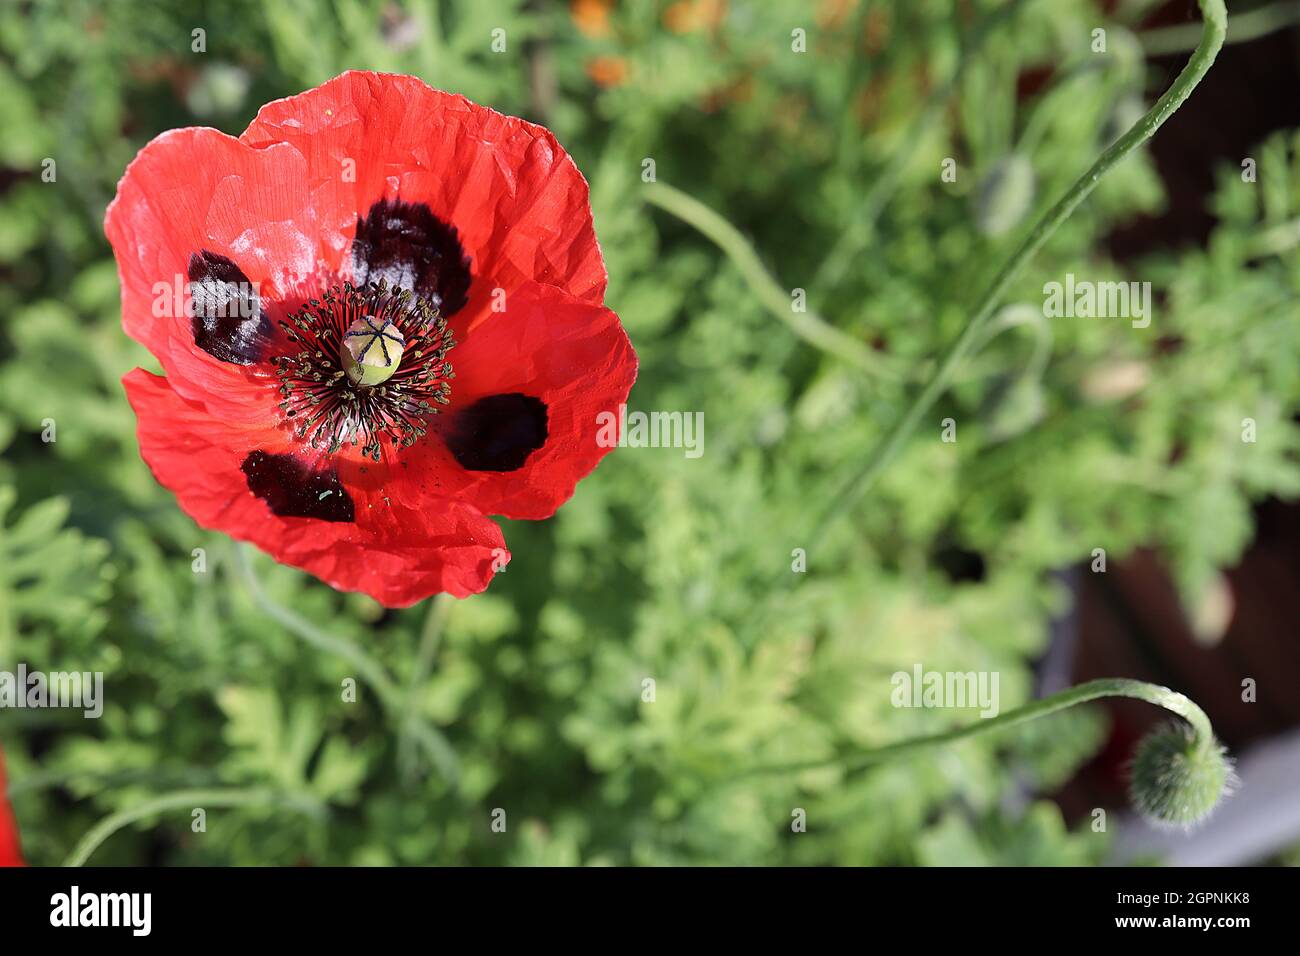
1246,26
440,752
857,758
808,325
1212,34
187,800
370,670
430,641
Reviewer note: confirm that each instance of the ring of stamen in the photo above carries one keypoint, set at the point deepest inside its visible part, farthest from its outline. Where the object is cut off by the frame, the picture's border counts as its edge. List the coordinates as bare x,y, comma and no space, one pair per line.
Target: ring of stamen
326,406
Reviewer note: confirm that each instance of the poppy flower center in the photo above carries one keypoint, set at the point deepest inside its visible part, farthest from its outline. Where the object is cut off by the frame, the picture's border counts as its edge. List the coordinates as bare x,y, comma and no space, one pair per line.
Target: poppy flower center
371,367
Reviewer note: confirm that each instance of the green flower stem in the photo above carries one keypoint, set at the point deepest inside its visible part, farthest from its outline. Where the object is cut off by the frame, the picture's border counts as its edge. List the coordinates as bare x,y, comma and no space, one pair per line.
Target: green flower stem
371,671
62,779
1248,25
186,799
857,758
1021,317
1128,59
1215,27
430,640
809,326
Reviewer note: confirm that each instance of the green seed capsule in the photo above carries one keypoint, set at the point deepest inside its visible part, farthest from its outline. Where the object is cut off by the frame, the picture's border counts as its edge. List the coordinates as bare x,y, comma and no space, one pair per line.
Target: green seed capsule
371,351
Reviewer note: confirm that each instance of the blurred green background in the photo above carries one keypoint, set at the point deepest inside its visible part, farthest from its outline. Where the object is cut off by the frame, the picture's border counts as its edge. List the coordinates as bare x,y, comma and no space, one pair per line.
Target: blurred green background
1073,434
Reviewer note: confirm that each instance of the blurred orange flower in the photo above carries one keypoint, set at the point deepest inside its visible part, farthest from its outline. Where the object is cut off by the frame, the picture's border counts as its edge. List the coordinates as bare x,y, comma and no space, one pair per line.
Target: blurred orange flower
687,16
591,17
608,70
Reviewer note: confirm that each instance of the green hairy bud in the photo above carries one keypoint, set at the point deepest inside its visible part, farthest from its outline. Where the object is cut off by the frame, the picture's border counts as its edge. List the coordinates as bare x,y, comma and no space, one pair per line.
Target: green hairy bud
1179,776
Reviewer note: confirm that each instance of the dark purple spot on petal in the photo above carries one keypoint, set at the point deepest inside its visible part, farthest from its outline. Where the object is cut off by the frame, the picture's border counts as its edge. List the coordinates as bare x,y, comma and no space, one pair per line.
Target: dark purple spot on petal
292,490
410,247
498,433
226,313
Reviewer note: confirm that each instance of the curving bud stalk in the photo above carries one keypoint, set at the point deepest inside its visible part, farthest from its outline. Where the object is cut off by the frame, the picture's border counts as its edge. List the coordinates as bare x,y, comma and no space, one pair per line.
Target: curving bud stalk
1180,772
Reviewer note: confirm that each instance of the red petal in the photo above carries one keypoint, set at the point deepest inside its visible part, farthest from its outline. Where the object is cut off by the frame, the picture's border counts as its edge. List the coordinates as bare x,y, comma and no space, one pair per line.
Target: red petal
518,201
10,849
396,553
571,354
197,189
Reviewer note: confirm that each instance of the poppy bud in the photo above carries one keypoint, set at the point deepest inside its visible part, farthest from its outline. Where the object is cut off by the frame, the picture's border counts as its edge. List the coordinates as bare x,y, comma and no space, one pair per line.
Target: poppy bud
371,351
1178,777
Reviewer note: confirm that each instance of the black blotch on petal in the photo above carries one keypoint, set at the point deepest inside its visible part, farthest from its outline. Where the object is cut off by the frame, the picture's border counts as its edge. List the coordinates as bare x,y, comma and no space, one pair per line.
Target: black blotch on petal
498,433
292,490
226,319
407,245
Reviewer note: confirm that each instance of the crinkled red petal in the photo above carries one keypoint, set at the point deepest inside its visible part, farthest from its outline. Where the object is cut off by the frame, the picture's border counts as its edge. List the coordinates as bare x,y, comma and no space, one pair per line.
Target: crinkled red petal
518,202
572,355
397,553
192,190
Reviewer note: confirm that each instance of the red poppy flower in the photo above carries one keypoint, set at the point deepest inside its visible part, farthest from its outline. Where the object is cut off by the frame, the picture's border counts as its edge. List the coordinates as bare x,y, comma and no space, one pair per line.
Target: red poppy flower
10,849
379,311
